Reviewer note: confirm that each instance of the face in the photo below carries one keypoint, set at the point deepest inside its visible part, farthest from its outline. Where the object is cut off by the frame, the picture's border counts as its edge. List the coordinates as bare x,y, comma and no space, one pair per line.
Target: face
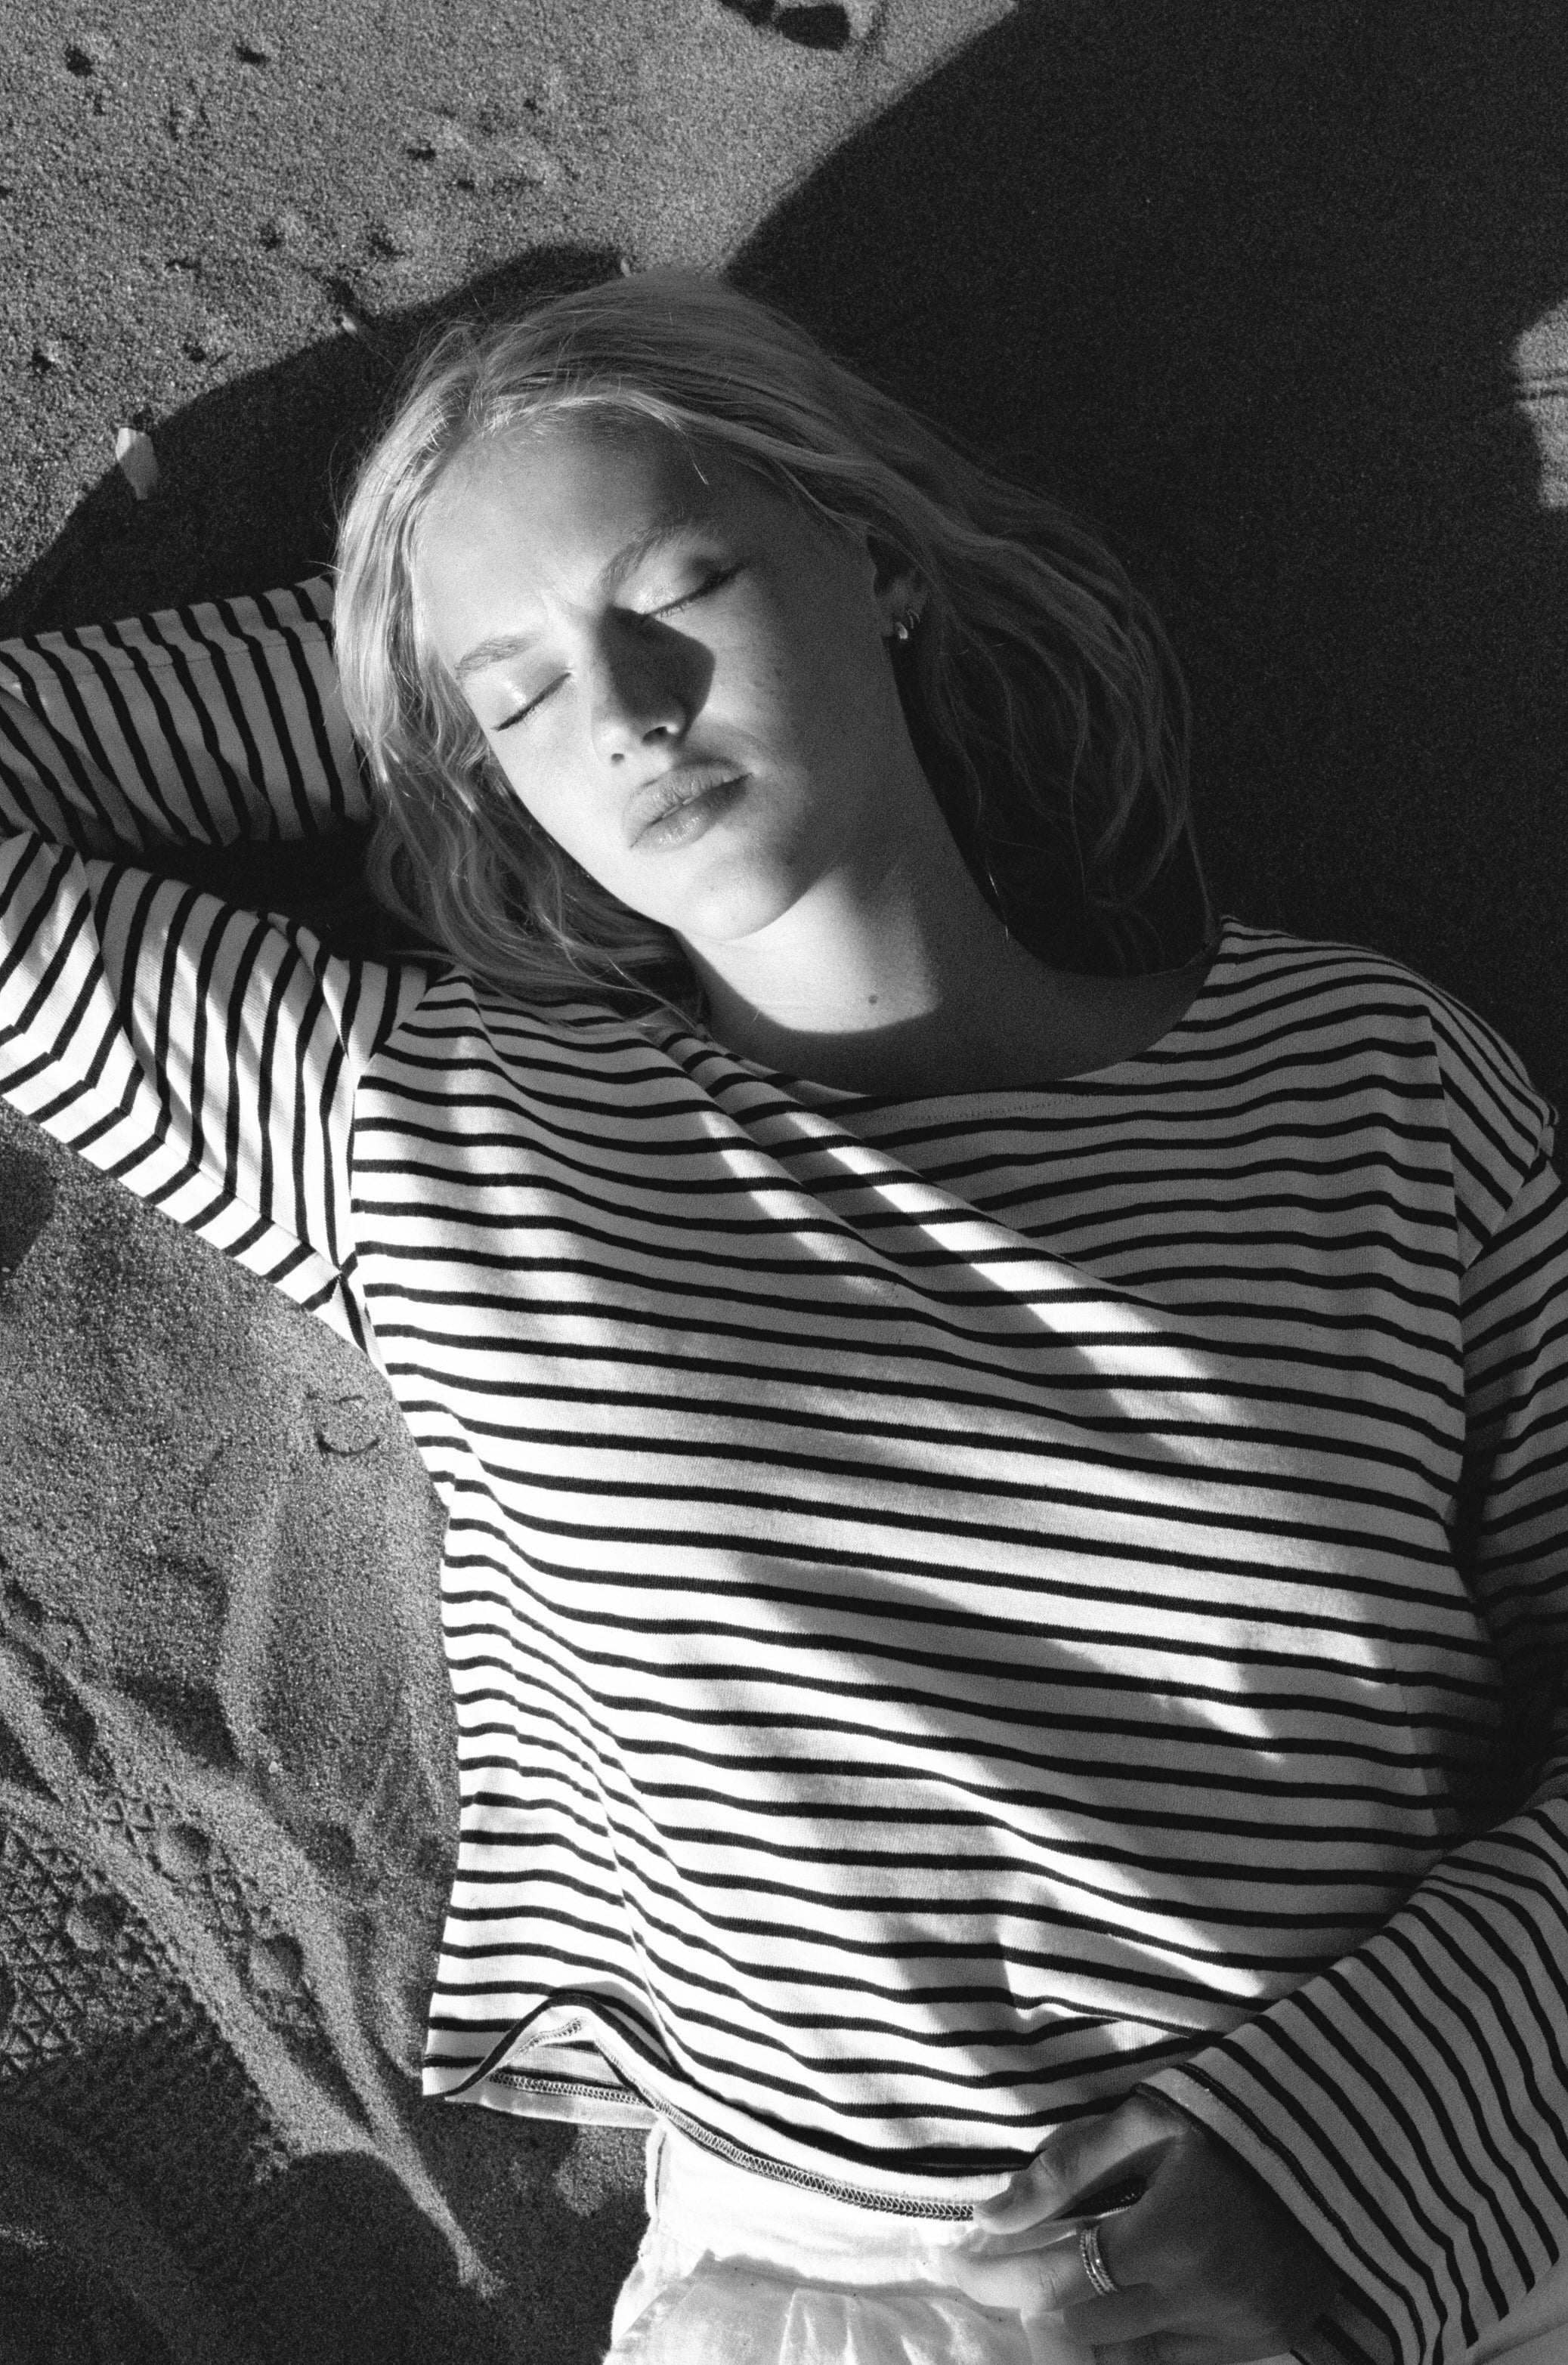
683,679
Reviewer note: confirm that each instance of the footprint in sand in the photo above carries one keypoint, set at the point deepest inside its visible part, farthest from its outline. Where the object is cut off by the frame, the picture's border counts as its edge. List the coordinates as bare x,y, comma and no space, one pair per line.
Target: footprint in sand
181,1852
227,1900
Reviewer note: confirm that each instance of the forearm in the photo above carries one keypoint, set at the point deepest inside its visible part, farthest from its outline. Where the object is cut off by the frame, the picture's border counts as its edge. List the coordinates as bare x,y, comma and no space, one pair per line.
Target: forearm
1410,2104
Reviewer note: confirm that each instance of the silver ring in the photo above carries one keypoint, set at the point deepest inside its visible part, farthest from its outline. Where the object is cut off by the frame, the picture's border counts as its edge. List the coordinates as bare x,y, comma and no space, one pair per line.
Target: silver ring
1101,2281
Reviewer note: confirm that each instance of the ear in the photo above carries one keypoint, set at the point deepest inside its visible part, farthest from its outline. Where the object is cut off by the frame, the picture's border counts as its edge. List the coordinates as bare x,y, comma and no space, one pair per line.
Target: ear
897,591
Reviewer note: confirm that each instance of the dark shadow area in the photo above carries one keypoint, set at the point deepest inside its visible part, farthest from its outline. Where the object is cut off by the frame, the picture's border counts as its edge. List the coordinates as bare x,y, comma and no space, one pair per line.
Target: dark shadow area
26,1203
332,2263
1244,284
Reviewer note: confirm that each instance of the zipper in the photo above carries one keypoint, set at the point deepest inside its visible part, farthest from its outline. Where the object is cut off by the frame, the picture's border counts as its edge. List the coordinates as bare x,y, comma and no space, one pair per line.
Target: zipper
802,2177
1108,2203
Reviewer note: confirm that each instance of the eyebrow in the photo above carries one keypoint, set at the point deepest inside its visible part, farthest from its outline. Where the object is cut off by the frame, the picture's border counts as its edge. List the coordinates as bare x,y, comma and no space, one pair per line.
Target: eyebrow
670,525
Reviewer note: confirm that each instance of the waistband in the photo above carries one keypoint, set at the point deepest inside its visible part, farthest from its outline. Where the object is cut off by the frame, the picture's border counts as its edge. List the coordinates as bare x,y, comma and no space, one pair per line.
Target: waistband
696,2196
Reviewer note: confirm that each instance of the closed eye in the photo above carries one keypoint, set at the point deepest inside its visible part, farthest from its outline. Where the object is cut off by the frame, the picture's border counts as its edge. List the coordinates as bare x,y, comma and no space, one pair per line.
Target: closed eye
710,583
523,712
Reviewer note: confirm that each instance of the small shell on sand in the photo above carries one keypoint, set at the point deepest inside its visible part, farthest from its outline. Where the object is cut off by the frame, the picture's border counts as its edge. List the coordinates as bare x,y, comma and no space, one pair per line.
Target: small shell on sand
138,462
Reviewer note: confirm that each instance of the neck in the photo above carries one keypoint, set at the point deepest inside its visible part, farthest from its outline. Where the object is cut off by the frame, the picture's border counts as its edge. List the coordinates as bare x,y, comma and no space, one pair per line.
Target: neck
879,980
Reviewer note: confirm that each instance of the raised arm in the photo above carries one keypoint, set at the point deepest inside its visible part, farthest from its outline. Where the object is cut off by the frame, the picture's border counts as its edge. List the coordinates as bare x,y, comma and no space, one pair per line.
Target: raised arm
202,726
206,1055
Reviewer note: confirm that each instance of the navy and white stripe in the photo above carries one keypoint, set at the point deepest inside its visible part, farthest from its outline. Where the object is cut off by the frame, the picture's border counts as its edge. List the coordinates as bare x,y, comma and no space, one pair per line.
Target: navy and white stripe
955,1606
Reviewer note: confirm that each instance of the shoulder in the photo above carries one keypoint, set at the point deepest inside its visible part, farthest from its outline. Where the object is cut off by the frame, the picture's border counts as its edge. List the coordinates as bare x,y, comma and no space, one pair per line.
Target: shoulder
1367,1012
600,1043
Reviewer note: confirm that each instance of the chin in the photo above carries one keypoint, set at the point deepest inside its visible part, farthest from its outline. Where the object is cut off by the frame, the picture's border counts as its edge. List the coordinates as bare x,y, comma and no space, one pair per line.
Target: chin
732,909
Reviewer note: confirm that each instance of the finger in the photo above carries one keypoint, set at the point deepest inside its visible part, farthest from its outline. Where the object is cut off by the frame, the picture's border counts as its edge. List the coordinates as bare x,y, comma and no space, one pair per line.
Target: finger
1027,2282
1127,2316
1076,2160
1052,2279
1187,2348
981,2242
1064,2280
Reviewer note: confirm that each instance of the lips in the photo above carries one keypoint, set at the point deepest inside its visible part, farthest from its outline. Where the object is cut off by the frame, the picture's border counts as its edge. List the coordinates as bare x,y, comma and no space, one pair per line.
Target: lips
656,798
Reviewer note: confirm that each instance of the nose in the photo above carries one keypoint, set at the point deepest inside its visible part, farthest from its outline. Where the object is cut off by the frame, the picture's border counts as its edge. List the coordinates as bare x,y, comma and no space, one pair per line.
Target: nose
636,696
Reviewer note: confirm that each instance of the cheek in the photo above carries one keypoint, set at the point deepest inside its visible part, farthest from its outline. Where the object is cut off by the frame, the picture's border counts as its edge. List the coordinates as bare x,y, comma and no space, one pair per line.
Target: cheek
833,660
544,789
564,805
801,691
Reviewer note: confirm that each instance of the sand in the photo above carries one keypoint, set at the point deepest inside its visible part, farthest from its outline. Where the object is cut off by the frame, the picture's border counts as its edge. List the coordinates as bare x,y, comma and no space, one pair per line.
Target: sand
1278,293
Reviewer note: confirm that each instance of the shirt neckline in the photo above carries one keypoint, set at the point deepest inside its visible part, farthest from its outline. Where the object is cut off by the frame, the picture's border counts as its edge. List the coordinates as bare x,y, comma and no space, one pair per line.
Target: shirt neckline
806,1090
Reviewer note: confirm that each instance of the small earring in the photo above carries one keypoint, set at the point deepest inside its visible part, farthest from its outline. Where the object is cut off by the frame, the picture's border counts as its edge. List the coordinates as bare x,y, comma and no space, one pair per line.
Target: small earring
904,626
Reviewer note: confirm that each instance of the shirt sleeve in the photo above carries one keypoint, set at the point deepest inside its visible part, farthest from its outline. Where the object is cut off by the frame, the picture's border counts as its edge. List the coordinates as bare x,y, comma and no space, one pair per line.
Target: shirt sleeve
205,725
1410,2103
205,1056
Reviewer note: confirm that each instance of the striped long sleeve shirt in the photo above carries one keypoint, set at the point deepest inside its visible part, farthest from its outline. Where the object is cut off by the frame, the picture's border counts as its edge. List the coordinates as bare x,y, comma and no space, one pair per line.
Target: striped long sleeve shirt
957,1608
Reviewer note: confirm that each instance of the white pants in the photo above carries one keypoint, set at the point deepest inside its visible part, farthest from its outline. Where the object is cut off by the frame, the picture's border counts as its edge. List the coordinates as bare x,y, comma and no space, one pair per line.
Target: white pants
742,2269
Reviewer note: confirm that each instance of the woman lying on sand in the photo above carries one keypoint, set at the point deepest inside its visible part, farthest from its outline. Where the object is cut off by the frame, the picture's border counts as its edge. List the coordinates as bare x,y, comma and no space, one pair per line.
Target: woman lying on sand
1004,1504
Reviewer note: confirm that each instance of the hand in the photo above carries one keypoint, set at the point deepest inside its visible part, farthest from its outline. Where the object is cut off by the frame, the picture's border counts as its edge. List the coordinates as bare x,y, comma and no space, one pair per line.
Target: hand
1210,2267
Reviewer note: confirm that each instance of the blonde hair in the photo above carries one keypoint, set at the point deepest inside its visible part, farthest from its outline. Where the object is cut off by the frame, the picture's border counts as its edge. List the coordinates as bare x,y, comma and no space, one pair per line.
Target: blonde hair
1040,691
